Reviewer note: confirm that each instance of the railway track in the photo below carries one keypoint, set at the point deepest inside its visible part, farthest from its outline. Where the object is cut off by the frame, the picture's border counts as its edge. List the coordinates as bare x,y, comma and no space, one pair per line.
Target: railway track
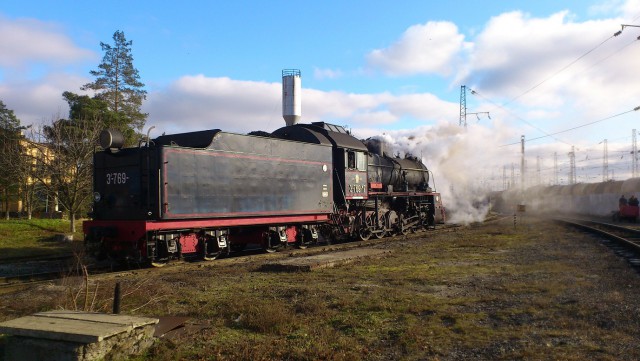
22,272
624,241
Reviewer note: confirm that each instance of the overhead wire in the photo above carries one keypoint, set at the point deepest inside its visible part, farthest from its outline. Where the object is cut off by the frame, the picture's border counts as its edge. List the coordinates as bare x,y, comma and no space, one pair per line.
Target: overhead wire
561,70
555,74
608,56
579,126
474,92
547,134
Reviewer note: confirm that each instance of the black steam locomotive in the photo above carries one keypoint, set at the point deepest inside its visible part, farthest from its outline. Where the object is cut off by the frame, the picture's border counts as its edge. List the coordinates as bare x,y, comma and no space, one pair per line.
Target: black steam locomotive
205,194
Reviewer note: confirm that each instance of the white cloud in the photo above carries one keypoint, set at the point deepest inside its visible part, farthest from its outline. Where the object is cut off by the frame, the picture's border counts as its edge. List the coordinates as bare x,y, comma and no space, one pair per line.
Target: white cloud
536,62
428,48
424,106
197,102
28,41
36,59
200,102
39,101
624,8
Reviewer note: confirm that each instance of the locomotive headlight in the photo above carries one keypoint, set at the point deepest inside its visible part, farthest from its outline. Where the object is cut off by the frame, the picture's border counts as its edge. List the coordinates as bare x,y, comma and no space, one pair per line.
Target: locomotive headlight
96,197
324,167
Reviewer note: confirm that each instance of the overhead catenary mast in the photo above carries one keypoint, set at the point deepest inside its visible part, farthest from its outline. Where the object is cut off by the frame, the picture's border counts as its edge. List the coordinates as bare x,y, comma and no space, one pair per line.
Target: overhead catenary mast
463,106
634,154
605,162
572,165
522,163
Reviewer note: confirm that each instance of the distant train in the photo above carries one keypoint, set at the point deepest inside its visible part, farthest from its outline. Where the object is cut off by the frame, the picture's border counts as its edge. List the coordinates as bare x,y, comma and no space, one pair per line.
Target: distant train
595,199
205,194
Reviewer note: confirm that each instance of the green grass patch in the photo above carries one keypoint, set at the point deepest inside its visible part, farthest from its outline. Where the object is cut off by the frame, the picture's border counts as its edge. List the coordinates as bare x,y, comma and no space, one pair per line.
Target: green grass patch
36,237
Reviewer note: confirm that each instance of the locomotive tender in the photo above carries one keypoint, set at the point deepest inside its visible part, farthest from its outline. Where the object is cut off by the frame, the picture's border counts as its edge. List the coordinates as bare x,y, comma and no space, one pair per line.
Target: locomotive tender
204,194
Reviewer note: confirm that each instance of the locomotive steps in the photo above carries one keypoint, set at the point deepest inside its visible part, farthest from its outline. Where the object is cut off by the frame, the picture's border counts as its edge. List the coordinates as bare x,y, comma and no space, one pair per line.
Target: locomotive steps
326,260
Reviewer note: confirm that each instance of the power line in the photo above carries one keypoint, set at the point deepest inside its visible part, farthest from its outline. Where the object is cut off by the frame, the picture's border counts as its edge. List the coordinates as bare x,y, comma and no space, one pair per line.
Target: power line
474,92
608,56
562,69
516,116
573,62
577,127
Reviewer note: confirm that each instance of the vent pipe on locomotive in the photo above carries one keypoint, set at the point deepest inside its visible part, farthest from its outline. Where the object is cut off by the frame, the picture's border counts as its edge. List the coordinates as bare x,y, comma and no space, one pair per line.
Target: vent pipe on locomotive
291,96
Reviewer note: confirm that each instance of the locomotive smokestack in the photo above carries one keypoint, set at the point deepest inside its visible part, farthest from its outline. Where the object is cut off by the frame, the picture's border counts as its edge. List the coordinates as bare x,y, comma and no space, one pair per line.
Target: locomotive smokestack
291,101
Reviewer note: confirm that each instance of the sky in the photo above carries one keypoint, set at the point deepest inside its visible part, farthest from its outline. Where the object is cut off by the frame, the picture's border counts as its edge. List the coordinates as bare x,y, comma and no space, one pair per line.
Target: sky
550,70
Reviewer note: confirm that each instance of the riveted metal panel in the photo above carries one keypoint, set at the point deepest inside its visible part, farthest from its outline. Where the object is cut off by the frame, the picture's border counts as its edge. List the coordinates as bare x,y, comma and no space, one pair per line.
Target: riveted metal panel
241,175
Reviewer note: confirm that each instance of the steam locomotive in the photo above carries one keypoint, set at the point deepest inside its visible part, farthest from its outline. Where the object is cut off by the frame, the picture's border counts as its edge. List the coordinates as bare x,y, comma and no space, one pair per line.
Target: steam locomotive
205,194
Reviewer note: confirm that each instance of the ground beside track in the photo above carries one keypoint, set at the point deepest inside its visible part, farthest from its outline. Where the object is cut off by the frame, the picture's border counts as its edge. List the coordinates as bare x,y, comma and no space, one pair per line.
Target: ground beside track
22,239
485,292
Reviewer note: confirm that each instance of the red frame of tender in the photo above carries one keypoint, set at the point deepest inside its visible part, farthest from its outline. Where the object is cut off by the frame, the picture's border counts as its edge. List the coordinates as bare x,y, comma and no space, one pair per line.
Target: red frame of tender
133,231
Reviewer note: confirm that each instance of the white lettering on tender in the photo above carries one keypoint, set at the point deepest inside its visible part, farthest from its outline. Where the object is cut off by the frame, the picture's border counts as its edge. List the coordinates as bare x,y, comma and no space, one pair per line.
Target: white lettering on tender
117,178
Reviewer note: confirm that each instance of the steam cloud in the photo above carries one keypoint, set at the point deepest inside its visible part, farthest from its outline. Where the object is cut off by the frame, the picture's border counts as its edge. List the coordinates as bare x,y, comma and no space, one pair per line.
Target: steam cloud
461,160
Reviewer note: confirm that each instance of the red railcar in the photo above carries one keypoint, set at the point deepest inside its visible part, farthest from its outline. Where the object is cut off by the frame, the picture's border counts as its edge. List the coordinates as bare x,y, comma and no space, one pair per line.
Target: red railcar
626,213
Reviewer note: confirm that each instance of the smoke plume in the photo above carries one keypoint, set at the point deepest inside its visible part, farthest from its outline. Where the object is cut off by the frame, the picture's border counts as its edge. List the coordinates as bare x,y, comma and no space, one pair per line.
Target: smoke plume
463,162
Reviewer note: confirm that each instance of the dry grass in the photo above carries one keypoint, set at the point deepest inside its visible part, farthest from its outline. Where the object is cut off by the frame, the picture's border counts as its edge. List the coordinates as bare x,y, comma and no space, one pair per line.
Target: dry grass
486,293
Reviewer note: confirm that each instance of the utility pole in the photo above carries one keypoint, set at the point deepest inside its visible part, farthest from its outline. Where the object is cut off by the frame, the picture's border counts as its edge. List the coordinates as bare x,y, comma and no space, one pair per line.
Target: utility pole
463,106
572,165
605,162
504,177
513,175
634,154
555,167
522,163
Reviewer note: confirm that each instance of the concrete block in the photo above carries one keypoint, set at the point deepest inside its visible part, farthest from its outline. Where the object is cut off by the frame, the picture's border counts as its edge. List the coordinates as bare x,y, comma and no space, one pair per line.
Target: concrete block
81,336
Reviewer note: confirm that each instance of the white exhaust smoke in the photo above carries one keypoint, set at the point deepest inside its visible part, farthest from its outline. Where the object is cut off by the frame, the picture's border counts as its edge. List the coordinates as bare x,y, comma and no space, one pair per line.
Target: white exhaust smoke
463,161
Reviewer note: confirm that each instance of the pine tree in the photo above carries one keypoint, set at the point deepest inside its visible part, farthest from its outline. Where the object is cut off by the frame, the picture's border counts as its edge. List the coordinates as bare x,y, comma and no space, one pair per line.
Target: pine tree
8,120
10,159
118,82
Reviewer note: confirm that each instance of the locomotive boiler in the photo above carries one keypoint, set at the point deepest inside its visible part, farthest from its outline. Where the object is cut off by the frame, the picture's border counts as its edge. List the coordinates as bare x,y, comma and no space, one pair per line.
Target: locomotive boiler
374,194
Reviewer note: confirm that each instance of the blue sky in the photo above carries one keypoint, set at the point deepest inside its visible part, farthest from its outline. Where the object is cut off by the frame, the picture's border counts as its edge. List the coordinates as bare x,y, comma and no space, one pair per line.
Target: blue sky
377,66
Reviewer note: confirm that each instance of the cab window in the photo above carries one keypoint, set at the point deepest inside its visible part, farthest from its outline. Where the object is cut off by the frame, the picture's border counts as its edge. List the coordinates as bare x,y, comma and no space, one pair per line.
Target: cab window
356,160
361,161
351,160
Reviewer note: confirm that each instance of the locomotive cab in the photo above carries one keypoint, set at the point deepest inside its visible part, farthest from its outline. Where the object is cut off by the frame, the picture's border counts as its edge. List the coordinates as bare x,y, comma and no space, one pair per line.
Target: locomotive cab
349,157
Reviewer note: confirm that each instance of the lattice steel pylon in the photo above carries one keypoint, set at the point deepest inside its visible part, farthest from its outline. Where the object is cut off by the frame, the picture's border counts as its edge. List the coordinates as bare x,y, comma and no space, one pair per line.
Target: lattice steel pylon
634,154
463,106
605,162
572,165
504,177
555,168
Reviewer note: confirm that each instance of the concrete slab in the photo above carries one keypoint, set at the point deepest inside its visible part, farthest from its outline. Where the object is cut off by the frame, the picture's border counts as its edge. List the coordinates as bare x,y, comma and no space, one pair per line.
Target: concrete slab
122,320
325,260
72,326
76,336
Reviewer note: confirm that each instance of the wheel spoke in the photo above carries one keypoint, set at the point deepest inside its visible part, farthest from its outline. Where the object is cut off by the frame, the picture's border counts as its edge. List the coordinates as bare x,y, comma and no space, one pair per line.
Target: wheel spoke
364,233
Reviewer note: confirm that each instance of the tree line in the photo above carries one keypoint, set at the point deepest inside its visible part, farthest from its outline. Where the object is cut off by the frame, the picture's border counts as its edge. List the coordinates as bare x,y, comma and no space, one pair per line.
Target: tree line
53,163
